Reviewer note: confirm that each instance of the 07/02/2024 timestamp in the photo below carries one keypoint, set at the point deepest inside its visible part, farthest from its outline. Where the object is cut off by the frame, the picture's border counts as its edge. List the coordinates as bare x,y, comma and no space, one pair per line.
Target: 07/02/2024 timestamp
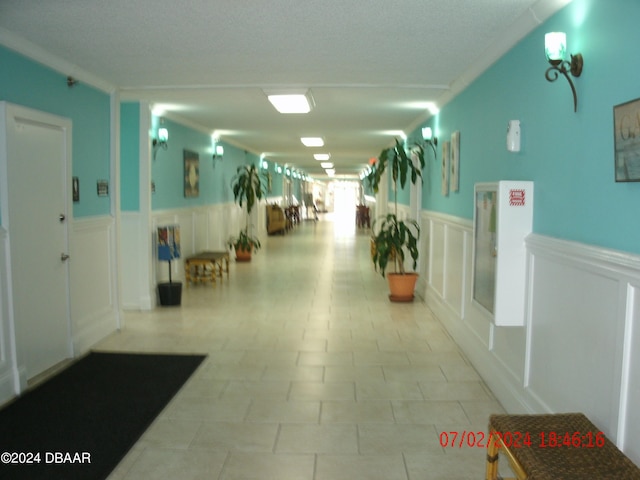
523,439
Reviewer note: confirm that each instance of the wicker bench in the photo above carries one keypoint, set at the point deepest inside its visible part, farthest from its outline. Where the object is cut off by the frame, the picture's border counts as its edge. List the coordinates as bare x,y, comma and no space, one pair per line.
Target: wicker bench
555,447
206,266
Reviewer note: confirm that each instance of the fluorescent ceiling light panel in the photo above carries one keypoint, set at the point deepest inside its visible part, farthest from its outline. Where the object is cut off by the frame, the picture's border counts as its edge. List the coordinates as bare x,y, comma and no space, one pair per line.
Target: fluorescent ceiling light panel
326,165
312,141
322,157
291,102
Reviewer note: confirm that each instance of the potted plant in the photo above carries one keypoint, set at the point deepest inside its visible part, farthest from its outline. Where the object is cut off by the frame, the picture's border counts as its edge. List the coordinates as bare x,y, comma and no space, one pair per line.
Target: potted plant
393,238
244,245
247,190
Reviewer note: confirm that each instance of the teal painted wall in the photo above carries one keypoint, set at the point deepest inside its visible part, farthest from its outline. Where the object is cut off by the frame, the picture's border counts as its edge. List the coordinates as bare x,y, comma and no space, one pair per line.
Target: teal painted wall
568,155
25,82
272,181
167,169
130,156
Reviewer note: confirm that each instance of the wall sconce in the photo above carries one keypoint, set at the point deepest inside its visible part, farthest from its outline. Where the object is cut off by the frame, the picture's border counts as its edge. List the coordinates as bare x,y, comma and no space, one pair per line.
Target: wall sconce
161,141
429,139
555,47
218,154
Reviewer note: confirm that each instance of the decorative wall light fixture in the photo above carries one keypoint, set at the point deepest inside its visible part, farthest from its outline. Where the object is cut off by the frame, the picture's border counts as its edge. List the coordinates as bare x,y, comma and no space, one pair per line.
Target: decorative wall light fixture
161,141
555,47
218,153
429,139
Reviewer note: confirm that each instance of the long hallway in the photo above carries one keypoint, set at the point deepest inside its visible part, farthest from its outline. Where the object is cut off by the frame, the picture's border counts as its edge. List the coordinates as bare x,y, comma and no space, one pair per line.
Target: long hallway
311,374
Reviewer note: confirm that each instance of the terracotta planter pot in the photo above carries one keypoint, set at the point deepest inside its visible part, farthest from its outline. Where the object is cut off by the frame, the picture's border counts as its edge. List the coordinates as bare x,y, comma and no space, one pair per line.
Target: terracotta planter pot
402,286
243,255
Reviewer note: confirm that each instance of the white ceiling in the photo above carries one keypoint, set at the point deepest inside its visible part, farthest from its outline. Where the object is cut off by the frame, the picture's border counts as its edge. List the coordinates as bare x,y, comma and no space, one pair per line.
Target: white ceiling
372,65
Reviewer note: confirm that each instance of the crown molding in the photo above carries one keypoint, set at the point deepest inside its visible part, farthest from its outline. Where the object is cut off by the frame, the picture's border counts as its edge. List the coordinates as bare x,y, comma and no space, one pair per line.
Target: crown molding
64,67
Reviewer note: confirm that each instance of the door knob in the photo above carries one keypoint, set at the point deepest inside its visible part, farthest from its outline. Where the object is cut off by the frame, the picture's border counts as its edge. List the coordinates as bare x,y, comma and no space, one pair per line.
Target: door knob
62,217
64,257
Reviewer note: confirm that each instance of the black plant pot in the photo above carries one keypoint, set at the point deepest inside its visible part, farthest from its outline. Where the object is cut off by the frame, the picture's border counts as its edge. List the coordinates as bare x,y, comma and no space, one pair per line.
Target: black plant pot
170,293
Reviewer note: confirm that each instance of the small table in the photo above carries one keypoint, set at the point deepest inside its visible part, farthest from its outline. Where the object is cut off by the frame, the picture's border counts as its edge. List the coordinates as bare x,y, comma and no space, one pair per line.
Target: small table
206,266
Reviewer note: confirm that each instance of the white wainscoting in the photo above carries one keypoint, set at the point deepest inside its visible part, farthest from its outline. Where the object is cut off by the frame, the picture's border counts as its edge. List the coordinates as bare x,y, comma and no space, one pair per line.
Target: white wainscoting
201,228
135,255
580,347
94,312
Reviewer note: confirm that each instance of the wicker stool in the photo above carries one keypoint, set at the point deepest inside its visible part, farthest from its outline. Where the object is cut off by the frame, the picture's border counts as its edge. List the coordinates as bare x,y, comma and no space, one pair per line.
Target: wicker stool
558,447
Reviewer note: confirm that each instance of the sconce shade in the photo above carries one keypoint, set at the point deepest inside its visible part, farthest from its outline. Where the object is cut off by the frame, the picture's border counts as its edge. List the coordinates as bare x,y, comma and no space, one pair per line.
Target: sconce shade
163,134
555,46
427,133
219,150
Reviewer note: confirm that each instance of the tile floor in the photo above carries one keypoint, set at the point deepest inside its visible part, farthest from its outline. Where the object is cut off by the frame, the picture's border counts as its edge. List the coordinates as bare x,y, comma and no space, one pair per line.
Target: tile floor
311,374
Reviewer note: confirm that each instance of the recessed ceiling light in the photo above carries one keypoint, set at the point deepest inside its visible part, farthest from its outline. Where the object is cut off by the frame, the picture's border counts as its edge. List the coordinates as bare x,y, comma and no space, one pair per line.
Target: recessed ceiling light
323,157
312,141
330,171
291,102
326,165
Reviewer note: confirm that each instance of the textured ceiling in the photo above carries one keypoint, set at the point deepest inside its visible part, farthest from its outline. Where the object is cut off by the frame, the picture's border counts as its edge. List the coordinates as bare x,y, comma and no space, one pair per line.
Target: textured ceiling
372,65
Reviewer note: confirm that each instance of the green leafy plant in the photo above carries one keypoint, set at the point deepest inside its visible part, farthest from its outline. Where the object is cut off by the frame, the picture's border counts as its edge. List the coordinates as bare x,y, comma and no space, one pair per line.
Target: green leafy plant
247,189
247,186
393,238
244,241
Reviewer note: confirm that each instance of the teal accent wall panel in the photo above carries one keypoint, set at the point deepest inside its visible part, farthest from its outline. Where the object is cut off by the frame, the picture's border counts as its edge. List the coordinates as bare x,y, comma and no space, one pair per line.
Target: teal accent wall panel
130,156
168,168
569,156
25,82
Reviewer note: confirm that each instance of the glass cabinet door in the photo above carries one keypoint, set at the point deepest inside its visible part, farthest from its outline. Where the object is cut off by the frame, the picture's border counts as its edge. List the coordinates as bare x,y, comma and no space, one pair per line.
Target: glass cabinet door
485,254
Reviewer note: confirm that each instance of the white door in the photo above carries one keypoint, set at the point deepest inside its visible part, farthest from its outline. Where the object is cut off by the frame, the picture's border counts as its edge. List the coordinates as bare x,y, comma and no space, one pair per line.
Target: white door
38,156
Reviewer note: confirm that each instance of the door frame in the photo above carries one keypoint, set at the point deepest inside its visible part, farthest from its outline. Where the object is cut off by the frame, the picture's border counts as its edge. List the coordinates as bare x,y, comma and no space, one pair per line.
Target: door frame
8,325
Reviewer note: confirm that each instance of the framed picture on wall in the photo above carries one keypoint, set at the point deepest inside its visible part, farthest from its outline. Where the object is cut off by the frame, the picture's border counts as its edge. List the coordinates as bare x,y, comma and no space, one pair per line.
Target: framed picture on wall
455,161
626,129
446,147
191,174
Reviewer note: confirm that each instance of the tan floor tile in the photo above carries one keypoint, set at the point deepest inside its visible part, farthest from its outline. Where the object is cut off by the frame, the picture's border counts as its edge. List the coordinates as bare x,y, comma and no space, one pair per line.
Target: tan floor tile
357,412
377,390
259,466
243,389
168,464
453,391
424,373
167,433
325,359
380,358
350,373
360,467
207,410
311,374
447,466
383,439
318,439
293,373
236,437
274,411
443,413
322,391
